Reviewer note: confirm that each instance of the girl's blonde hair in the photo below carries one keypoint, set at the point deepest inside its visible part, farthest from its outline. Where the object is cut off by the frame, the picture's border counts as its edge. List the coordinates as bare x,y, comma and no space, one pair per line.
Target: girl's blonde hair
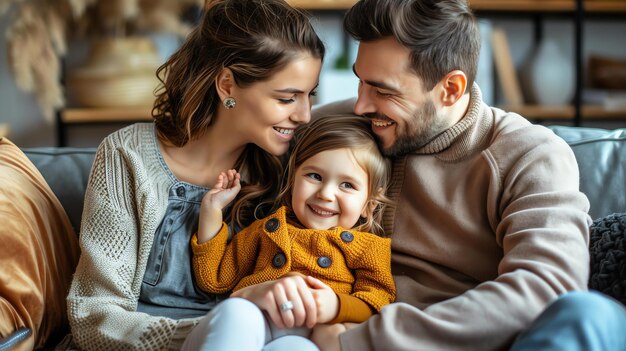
342,132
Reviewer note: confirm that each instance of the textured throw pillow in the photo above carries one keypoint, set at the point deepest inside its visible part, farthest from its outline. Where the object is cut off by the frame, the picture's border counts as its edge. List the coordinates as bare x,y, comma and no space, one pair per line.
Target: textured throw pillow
39,252
608,256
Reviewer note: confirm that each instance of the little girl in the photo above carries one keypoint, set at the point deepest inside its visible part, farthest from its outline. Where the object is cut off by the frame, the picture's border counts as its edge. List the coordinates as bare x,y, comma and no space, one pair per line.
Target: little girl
331,200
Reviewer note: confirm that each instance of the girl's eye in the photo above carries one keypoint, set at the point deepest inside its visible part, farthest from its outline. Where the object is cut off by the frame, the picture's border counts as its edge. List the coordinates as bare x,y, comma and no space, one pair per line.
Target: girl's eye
347,185
314,176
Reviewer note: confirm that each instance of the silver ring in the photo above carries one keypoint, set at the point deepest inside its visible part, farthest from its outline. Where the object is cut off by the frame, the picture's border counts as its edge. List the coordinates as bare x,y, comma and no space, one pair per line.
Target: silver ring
286,306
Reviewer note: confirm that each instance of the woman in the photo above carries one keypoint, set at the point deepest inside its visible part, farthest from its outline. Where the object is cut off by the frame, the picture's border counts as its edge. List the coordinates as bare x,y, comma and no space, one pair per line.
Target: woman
232,96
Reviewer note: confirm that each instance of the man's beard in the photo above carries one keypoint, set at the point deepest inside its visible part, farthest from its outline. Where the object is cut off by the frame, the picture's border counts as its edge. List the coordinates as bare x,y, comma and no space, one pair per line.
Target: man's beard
421,128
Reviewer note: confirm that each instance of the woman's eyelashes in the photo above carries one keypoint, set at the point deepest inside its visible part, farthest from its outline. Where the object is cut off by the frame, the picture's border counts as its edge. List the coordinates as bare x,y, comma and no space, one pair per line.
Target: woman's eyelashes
287,101
293,98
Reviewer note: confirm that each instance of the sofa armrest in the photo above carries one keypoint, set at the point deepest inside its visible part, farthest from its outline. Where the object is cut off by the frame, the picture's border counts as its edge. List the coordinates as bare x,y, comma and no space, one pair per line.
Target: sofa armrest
601,157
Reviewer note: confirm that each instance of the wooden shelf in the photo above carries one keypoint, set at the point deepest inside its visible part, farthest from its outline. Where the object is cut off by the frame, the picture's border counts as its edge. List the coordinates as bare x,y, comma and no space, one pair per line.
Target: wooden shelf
521,5
607,6
105,115
322,4
566,112
489,5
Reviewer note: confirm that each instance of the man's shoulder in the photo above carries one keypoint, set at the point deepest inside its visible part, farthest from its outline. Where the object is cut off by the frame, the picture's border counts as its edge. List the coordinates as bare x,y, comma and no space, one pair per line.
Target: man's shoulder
513,130
515,137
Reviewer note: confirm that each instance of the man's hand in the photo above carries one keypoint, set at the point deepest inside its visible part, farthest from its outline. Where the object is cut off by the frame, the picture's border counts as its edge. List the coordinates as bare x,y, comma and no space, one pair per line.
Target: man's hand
270,295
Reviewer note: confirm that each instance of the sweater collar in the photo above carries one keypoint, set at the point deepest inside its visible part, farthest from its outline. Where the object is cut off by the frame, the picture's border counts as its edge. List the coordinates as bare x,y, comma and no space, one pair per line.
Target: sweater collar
463,137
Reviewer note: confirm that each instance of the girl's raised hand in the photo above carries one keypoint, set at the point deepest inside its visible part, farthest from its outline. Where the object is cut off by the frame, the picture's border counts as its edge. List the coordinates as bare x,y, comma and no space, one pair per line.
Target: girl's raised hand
223,192
225,189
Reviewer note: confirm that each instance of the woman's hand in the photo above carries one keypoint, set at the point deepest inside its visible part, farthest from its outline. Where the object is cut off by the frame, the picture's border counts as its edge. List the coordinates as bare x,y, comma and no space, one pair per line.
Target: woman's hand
325,298
269,296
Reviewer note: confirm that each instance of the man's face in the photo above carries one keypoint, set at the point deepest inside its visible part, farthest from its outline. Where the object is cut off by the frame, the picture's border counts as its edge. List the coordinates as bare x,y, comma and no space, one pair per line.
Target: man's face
404,115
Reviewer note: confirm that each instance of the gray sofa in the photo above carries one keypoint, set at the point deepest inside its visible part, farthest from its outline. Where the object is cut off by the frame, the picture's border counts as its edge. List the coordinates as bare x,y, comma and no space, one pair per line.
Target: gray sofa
601,156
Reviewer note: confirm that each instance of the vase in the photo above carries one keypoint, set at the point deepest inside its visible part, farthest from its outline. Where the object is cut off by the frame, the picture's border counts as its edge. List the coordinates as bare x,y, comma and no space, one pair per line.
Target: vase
550,74
119,72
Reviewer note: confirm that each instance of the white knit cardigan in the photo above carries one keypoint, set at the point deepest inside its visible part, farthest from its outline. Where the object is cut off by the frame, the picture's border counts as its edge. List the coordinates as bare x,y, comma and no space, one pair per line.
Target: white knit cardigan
125,201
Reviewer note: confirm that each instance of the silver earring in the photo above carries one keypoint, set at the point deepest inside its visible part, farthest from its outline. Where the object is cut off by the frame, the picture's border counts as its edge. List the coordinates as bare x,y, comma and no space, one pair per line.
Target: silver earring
229,102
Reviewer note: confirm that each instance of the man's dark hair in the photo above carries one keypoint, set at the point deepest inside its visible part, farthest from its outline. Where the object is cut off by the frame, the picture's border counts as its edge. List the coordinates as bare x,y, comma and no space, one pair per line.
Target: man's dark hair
442,35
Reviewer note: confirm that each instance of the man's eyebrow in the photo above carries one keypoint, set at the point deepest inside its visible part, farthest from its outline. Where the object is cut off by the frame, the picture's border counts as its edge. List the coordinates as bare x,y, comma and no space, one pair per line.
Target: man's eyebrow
376,84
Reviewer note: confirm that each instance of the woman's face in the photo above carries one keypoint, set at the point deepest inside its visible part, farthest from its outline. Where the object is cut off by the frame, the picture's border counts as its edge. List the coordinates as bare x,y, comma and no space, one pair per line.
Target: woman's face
268,112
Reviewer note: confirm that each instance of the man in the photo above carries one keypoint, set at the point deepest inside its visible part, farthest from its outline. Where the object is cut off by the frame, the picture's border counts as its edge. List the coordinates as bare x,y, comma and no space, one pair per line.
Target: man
489,226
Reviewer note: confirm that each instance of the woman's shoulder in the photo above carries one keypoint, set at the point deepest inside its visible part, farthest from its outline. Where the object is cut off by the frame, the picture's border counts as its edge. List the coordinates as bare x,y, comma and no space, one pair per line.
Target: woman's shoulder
136,145
132,136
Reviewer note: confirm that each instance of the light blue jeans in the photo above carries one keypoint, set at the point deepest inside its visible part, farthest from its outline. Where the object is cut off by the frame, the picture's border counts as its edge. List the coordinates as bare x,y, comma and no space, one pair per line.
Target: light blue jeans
576,321
585,321
238,324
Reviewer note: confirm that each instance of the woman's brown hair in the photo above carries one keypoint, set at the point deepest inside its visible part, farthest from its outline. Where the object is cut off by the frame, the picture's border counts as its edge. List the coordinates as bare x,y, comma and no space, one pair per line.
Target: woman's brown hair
254,39
342,132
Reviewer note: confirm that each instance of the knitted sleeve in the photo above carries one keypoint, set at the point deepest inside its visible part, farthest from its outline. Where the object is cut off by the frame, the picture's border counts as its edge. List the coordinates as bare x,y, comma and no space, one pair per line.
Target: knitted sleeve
219,265
372,271
105,289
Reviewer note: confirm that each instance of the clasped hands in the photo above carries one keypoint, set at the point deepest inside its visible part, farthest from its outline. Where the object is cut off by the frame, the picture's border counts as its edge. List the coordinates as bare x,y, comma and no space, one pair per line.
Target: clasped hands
314,303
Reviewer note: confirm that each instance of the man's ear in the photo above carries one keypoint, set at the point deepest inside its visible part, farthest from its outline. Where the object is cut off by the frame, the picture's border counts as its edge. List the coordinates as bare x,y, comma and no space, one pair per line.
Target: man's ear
454,85
225,83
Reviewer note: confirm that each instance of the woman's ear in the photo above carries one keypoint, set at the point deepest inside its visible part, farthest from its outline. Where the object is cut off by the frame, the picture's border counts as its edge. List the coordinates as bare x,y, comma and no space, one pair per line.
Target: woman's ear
225,83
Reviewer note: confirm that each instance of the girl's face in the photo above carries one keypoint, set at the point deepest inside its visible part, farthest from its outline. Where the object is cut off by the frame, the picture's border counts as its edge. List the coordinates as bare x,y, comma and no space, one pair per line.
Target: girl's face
330,189
268,112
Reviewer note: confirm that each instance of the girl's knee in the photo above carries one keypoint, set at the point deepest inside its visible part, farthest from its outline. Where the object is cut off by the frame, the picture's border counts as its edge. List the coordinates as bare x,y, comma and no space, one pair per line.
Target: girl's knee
244,311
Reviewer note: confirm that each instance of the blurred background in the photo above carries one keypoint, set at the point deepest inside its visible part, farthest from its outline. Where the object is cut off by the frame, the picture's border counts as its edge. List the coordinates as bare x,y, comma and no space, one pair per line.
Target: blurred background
73,71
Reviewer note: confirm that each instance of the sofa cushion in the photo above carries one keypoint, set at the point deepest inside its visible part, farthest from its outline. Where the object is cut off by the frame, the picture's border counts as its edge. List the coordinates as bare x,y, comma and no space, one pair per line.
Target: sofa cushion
66,170
601,157
39,252
608,256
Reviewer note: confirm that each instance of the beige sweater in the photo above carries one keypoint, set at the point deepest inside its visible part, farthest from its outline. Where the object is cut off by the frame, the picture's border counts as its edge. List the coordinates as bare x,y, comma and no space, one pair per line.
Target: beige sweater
489,228
125,201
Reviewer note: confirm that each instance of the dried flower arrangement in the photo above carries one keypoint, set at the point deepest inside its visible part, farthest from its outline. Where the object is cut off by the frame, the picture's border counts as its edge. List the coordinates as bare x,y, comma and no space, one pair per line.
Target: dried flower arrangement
40,29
